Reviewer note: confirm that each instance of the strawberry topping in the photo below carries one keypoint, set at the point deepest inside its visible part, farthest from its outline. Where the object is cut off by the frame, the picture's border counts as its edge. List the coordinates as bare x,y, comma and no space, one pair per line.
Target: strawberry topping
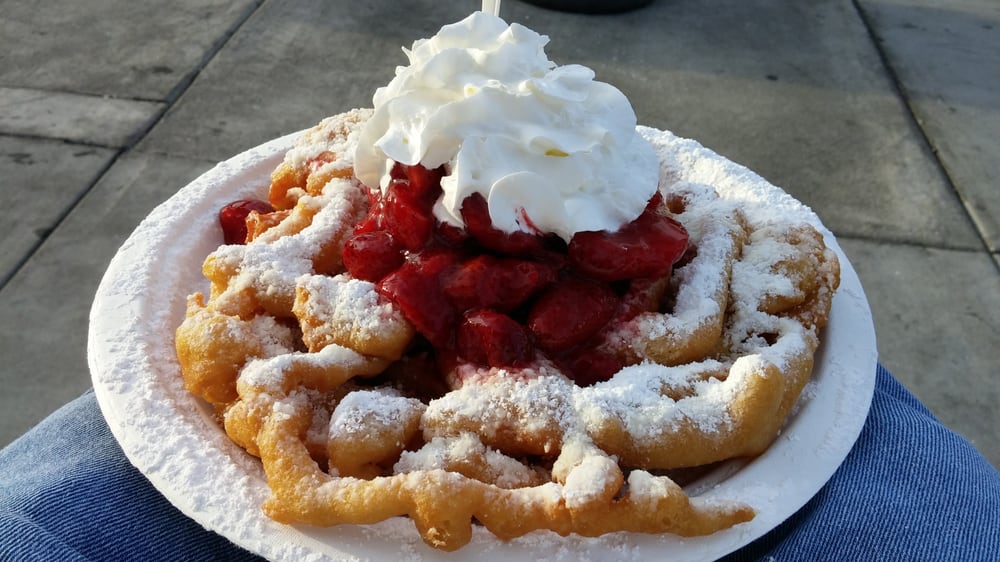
233,218
488,297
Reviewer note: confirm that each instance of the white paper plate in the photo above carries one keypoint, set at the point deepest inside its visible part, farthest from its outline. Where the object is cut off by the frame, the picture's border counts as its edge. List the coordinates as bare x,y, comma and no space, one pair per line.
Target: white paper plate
172,438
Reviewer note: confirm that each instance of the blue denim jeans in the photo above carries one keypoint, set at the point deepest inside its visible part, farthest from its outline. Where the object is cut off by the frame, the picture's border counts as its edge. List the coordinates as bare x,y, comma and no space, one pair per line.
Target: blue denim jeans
909,490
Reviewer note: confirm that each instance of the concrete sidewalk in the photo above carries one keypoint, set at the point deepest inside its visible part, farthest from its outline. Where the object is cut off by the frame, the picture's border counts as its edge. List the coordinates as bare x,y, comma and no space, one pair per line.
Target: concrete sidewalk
884,116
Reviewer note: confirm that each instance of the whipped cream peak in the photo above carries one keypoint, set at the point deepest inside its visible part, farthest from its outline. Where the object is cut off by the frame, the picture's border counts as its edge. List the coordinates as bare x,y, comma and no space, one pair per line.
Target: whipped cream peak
551,149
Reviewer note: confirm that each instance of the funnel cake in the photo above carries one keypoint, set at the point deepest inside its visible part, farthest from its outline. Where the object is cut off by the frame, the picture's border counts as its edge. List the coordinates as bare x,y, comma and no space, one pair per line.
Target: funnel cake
359,415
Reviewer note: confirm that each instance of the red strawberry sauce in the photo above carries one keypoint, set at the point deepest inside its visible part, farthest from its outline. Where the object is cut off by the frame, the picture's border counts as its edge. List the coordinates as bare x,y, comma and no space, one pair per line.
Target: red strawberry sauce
483,296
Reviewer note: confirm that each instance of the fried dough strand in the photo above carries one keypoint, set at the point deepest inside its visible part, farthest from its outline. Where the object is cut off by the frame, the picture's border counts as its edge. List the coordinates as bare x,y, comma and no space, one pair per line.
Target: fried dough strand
295,356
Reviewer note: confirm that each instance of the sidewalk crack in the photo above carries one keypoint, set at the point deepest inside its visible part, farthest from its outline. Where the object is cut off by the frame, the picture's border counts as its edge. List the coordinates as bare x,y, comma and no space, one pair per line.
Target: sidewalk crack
172,97
911,112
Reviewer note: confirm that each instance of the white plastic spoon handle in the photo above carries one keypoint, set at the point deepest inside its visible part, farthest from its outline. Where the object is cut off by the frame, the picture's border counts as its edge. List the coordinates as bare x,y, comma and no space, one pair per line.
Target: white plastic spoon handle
491,7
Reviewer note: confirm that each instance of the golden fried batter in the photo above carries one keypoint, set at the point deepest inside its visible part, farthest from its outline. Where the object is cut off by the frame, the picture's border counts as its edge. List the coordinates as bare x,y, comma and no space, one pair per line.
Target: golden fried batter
295,355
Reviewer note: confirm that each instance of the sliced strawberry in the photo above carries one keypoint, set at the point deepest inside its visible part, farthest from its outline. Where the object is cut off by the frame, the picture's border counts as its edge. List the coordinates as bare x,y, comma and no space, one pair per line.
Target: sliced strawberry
415,287
646,247
372,255
425,184
233,218
643,295
502,284
476,215
373,219
490,338
588,366
570,312
406,216
450,234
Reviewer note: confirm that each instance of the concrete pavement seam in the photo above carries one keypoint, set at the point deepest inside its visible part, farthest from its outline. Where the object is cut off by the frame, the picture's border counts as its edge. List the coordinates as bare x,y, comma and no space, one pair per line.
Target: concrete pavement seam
169,100
925,138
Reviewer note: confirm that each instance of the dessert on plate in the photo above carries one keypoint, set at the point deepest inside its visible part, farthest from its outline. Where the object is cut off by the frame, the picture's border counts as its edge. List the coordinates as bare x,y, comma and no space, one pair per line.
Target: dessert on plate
492,299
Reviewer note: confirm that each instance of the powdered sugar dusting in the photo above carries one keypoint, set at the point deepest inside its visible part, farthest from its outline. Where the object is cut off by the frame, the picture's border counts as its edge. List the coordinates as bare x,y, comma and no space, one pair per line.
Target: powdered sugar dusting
351,303
711,223
445,452
268,269
684,160
636,396
328,136
361,409
177,444
586,482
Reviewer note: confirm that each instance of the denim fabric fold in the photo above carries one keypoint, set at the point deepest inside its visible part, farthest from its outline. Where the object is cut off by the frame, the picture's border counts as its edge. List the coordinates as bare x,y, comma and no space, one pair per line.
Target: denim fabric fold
910,489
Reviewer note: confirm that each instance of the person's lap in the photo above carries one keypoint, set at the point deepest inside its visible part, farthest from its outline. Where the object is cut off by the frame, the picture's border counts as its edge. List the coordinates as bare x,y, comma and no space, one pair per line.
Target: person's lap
910,489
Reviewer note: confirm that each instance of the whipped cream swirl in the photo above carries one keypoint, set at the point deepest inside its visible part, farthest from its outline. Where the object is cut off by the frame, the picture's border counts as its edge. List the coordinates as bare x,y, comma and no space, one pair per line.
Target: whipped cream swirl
550,149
